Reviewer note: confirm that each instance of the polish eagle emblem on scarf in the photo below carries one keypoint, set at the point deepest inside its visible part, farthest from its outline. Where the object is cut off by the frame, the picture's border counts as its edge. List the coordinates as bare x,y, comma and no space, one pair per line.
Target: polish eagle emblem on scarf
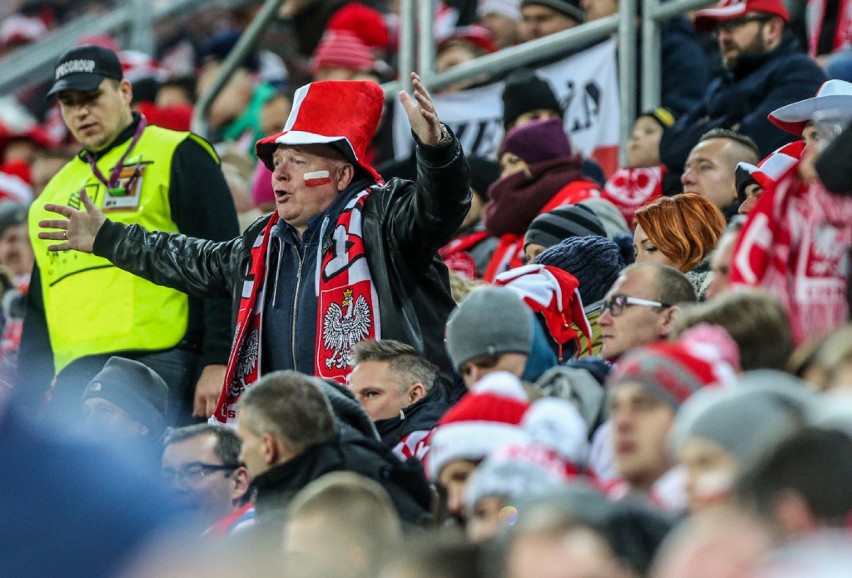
345,325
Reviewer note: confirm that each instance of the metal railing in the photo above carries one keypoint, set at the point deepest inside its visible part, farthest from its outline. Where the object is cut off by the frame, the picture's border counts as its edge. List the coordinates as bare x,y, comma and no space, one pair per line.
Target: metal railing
244,45
416,44
132,22
623,24
653,13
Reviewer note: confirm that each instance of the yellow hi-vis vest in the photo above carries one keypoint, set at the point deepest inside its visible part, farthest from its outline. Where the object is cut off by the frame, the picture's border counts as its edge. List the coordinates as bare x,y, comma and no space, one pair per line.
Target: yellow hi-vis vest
91,306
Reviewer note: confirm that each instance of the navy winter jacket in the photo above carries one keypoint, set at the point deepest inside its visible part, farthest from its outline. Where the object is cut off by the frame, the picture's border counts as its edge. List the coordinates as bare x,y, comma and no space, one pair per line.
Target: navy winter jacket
741,101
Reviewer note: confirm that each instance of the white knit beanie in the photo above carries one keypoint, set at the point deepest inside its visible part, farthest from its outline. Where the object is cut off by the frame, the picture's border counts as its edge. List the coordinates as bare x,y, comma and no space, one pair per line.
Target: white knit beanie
487,417
508,8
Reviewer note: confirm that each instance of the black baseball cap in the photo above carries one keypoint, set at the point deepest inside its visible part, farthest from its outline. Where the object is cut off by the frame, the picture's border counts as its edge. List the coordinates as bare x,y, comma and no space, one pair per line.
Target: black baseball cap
84,67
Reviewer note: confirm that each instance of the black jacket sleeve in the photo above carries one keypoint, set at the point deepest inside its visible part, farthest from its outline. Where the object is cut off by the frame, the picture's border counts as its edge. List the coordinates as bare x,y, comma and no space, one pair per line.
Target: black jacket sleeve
195,266
35,357
424,222
677,140
202,207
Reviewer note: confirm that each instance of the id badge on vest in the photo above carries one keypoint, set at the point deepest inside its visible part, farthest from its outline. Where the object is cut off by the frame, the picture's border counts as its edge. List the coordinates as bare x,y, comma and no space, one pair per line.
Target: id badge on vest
126,195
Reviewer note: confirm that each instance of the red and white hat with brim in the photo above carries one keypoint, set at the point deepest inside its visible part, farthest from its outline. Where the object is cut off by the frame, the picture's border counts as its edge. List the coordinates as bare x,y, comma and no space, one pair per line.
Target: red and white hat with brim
341,113
832,95
707,19
770,169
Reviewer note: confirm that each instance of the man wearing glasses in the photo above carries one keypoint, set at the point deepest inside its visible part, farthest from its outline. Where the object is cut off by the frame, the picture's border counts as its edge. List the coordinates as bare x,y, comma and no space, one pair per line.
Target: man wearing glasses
641,307
202,469
764,68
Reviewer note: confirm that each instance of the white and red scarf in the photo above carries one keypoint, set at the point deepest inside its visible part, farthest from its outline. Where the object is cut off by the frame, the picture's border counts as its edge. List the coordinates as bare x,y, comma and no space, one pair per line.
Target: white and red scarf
347,311
794,245
555,294
630,188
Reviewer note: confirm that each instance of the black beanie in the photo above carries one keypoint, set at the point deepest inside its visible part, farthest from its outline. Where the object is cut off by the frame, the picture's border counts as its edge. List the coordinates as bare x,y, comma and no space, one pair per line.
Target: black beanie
570,8
594,261
660,115
483,173
562,223
525,91
135,388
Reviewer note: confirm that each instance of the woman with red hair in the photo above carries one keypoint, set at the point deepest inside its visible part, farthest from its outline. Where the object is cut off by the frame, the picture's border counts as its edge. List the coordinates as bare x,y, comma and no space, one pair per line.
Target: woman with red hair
679,231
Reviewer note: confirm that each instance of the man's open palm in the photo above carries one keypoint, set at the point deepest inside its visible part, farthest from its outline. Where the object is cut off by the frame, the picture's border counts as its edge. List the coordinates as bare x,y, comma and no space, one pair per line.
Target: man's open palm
79,228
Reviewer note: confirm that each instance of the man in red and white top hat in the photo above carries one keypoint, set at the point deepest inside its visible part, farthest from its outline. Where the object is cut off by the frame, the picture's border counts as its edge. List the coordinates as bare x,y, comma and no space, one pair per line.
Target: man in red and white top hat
345,257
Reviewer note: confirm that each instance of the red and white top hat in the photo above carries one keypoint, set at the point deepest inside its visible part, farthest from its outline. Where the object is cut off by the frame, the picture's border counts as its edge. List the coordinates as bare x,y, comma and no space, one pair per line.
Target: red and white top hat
708,18
340,113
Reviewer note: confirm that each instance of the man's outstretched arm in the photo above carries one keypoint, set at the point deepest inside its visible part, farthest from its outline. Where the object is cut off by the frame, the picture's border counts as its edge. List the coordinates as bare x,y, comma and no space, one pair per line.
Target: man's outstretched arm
195,266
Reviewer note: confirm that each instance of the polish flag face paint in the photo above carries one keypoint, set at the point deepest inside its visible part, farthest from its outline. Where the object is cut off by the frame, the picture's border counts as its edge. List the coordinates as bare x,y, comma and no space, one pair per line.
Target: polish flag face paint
317,178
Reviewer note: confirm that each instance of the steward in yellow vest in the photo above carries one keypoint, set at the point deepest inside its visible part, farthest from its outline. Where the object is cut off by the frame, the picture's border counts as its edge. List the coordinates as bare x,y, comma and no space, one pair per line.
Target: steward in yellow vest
82,309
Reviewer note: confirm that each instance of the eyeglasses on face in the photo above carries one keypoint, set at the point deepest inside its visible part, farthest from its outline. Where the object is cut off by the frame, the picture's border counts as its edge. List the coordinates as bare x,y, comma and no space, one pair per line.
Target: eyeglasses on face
617,304
195,471
729,26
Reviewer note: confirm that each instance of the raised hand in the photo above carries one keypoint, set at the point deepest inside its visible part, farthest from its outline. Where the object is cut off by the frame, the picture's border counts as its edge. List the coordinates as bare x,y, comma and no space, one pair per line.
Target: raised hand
421,112
77,230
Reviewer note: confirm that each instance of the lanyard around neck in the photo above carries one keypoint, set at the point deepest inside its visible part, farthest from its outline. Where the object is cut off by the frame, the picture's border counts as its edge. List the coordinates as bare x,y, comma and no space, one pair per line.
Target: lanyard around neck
112,183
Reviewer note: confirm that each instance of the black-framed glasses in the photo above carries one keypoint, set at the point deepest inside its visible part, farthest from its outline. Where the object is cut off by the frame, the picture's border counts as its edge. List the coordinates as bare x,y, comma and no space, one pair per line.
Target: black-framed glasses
195,471
617,304
729,26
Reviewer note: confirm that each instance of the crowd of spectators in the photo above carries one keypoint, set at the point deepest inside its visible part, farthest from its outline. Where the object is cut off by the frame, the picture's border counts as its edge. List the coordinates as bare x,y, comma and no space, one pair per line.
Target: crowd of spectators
581,370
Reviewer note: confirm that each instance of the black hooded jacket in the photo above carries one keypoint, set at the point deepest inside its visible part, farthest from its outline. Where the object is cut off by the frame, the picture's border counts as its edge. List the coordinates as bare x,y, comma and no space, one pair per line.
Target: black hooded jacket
349,451
422,415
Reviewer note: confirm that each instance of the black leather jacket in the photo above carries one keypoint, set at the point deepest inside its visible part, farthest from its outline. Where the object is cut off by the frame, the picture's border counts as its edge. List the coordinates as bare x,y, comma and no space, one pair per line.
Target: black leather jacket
405,223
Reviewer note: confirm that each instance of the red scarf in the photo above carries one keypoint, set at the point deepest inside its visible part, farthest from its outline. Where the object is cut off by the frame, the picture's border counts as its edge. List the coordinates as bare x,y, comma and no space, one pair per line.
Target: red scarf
794,245
456,254
509,253
347,311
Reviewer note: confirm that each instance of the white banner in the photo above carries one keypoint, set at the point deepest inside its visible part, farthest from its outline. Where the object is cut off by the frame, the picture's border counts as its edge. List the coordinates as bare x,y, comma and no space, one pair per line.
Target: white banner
585,84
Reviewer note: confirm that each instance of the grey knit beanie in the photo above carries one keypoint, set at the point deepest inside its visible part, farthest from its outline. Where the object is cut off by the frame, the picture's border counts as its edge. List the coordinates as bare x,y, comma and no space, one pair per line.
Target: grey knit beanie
11,213
746,420
489,321
561,223
595,262
576,385
510,479
135,388
611,218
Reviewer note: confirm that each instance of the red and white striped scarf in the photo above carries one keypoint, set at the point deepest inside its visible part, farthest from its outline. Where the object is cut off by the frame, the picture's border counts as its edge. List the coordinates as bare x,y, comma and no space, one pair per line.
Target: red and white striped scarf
347,311
794,245
556,295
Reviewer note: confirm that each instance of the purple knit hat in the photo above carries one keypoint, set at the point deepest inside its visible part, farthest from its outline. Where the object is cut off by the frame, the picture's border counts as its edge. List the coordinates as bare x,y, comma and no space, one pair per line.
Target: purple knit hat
537,142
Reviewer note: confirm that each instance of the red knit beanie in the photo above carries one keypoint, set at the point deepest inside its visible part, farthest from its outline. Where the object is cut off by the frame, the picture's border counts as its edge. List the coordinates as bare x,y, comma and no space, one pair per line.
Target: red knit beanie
366,23
341,49
674,370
